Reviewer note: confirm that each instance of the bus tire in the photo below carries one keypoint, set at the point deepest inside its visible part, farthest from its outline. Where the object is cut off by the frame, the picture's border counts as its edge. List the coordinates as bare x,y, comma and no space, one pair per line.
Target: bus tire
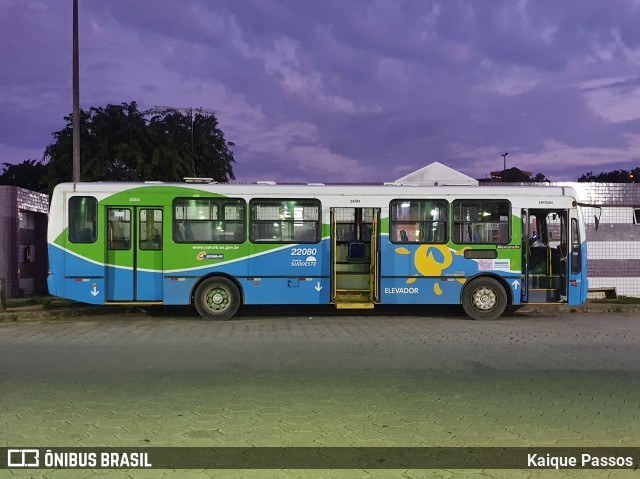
217,298
484,299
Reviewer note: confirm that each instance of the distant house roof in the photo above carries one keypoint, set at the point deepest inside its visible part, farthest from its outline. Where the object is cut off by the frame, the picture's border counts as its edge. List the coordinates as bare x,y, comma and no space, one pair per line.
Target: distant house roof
514,170
436,174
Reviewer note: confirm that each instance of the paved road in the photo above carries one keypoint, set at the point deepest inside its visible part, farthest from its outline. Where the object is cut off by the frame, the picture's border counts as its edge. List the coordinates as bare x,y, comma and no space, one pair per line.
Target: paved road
321,380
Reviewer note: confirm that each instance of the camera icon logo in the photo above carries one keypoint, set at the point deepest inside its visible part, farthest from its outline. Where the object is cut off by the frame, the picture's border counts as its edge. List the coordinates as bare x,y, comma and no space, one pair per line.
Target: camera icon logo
23,458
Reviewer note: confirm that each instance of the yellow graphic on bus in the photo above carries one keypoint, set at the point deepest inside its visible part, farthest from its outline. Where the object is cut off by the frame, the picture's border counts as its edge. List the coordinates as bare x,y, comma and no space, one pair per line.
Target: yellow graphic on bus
431,261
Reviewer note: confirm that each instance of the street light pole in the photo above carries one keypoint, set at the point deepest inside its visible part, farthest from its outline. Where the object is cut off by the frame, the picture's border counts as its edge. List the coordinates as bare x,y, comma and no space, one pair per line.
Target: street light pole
504,158
76,96
193,164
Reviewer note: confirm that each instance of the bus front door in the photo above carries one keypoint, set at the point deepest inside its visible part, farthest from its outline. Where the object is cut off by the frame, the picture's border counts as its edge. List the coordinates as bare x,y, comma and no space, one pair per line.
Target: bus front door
545,264
577,260
134,254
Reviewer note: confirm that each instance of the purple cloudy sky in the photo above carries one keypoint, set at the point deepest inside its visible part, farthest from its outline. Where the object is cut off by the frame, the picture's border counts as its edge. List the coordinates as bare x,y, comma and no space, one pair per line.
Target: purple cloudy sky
344,90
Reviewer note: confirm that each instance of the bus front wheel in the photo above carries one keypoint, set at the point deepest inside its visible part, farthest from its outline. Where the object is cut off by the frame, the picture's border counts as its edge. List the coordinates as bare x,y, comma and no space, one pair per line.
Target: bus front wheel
484,299
217,298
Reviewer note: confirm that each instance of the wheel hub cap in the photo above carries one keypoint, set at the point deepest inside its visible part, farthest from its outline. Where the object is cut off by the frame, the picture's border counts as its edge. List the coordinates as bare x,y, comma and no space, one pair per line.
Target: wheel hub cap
484,299
217,298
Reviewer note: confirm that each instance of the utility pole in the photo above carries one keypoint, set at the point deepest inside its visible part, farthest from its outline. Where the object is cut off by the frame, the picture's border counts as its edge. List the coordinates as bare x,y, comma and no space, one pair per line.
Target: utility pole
193,163
192,113
76,96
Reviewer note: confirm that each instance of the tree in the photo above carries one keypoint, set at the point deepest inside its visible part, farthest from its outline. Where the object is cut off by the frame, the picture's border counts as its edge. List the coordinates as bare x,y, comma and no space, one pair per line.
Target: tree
29,174
539,178
194,138
121,143
615,176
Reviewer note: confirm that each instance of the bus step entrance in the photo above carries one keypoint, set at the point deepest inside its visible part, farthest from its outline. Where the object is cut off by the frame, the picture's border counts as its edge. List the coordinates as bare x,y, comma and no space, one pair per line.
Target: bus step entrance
544,296
544,288
348,305
353,299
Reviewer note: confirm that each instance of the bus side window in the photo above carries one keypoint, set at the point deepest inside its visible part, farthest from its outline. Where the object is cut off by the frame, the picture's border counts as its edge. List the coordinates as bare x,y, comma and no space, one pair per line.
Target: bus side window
481,221
576,253
418,220
287,221
83,212
209,220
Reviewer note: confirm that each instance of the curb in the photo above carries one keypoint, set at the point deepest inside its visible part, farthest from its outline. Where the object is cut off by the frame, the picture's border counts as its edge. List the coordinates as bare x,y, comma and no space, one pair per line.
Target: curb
589,308
39,313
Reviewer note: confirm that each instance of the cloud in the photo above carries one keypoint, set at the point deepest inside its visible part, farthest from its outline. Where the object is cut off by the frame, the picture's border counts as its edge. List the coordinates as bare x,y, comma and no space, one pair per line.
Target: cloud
292,152
310,90
615,100
514,81
558,161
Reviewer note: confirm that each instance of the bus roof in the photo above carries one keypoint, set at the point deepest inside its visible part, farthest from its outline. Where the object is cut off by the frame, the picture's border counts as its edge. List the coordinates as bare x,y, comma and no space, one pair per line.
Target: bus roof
274,189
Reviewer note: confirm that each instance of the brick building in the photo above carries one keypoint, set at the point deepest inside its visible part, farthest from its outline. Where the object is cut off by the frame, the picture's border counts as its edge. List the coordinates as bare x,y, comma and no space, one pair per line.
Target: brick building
23,241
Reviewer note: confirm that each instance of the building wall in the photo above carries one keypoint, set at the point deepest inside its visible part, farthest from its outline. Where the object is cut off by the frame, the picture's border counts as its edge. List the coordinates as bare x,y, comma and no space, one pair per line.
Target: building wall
23,241
614,249
8,233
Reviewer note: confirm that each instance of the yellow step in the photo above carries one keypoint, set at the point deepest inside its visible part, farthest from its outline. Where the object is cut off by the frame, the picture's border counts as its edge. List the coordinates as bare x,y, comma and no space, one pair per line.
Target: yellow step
354,305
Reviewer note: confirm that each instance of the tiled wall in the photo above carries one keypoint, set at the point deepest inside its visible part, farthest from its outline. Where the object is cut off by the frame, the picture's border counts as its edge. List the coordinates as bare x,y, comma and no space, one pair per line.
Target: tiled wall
614,249
32,201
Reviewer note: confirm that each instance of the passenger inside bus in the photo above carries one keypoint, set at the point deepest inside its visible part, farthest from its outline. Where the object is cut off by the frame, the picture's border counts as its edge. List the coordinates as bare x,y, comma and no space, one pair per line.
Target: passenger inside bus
85,235
538,255
476,234
179,232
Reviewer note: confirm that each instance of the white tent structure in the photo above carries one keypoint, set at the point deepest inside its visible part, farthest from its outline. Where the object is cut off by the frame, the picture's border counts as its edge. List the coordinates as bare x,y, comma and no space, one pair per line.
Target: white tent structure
436,174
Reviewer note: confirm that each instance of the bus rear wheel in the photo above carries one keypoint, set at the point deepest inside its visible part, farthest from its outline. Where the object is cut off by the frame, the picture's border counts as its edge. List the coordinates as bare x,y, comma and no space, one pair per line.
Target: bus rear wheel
484,299
217,298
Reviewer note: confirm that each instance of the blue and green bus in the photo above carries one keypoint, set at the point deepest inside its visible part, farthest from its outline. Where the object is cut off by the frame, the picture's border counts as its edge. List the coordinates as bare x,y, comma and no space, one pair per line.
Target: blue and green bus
220,246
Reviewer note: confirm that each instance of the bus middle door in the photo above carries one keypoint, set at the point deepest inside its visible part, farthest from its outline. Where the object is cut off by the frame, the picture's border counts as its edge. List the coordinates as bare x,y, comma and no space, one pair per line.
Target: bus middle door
119,261
134,254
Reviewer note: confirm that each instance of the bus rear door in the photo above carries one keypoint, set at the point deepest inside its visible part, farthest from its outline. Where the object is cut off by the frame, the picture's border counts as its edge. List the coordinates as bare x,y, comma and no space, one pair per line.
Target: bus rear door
134,253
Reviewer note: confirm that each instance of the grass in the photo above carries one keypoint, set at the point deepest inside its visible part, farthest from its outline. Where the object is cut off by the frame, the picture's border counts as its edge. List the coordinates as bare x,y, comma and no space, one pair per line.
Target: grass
618,300
46,302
